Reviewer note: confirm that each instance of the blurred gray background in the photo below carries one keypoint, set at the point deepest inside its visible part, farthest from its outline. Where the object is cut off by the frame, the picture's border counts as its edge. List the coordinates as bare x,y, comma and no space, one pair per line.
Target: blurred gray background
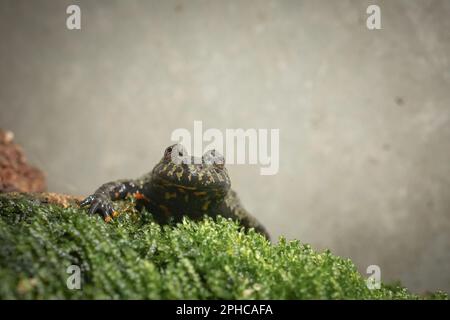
364,116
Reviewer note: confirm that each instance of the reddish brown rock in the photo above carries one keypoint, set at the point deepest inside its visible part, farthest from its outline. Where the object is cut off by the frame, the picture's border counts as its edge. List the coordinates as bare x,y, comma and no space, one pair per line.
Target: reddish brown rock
15,173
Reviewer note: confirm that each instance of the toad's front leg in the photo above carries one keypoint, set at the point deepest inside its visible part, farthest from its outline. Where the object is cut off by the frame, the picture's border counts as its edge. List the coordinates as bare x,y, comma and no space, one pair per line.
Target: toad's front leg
101,200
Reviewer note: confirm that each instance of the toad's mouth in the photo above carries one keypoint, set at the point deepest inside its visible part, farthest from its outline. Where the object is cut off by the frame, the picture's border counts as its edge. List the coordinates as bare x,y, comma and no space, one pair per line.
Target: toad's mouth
193,184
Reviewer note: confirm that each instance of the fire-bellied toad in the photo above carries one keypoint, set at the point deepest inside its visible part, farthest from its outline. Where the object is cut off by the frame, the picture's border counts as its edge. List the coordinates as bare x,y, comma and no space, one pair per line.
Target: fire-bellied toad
179,185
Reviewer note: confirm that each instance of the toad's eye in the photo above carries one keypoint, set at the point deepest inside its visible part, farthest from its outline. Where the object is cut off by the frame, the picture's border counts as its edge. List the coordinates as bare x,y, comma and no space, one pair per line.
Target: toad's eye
212,157
175,153
168,152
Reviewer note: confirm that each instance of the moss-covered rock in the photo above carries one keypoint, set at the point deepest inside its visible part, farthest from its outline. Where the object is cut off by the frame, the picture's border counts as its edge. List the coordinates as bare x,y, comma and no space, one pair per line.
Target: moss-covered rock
133,257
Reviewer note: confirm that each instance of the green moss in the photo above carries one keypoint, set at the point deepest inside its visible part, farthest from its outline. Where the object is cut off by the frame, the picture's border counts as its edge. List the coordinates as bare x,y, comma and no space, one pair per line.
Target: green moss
133,257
